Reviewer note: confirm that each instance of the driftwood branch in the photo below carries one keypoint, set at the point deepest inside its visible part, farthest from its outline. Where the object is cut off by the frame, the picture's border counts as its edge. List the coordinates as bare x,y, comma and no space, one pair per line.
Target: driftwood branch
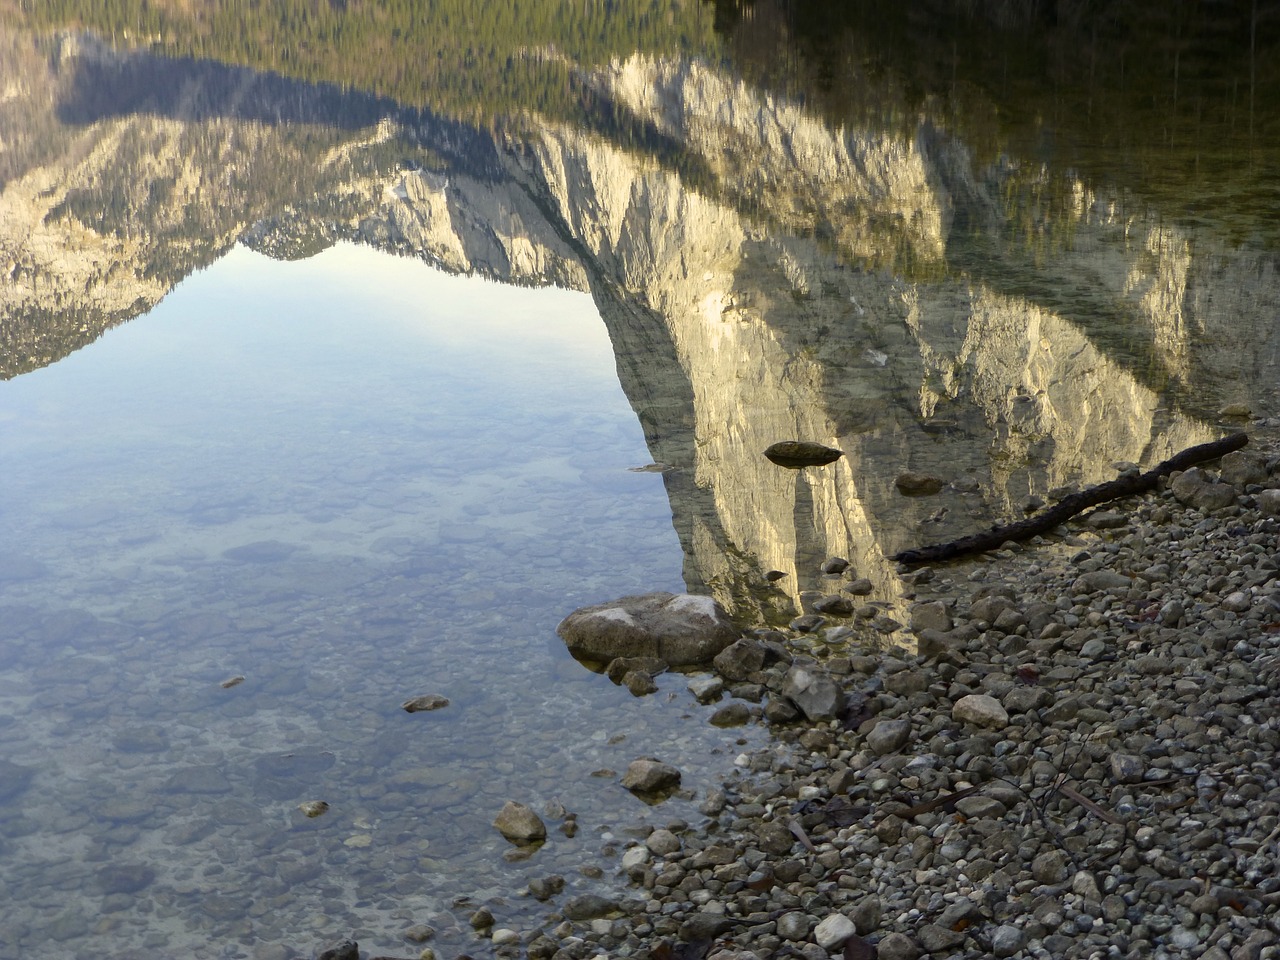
1068,507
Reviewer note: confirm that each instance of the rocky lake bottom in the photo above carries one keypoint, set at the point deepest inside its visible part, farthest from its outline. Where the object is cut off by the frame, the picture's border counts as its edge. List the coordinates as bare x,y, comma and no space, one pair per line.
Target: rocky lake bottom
1078,761
1069,752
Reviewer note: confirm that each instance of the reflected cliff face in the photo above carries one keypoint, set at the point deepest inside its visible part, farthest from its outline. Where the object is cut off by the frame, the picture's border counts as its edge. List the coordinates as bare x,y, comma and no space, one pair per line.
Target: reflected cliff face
891,273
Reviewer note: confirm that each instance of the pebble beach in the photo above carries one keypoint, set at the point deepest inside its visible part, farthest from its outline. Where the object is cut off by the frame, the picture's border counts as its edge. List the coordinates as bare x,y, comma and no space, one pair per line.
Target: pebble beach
1076,760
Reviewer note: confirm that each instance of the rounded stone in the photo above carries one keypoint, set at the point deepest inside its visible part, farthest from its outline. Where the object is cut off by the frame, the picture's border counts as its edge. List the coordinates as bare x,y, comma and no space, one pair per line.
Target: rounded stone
679,629
519,824
648,775
662,842
793,926
896,946
1007,940
981,711
832,932
1050,867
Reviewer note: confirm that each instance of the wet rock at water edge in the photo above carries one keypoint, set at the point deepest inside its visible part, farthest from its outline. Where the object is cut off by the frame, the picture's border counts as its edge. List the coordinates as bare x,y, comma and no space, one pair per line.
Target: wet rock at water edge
342,950
678,629
430,701
544,888
930,616
706,689
731,715
650,776
817,695
1240,468
1196,489
795,454
636,673
744,658
519,824
618,669
589,906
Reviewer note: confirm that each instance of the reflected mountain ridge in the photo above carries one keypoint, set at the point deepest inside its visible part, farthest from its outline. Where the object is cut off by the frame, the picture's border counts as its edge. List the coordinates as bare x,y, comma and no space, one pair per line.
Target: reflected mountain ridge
764,274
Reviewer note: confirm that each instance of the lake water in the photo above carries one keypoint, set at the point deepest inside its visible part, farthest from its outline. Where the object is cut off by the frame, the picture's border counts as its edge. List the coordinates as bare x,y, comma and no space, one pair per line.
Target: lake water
350,480
338,372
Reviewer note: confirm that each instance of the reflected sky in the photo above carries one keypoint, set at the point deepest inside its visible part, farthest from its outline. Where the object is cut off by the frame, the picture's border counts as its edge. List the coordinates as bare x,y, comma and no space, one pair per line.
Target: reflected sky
253,368
340,329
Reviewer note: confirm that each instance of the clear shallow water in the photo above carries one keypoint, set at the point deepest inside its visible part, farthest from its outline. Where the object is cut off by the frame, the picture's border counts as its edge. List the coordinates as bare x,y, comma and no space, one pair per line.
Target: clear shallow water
350,480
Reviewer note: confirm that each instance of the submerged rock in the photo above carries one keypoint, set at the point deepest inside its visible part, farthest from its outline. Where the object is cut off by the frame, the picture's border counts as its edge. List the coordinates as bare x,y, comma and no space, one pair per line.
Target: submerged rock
618,669
678,629
123,878
802,453
519,824
430,701
649,775
342,950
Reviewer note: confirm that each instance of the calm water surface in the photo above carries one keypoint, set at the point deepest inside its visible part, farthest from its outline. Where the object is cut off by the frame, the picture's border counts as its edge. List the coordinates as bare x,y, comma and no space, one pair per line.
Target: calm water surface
330,361
351,480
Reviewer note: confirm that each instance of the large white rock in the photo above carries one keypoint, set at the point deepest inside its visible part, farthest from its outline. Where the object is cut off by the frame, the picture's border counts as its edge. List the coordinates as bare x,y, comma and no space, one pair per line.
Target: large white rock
981,711
833,931
680,629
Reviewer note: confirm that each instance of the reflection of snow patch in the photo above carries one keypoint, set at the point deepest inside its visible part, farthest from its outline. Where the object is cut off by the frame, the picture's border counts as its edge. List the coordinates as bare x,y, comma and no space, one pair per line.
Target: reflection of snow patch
876,356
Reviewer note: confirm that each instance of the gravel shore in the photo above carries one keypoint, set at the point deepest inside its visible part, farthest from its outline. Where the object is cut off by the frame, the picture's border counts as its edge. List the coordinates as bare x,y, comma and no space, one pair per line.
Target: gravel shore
1079,762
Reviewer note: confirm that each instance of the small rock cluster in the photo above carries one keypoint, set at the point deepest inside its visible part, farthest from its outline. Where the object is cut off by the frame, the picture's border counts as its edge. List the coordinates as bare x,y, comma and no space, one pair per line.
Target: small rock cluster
1079,760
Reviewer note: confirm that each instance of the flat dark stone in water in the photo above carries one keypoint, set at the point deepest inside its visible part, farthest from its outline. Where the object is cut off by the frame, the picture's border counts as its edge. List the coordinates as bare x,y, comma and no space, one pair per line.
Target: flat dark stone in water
802,453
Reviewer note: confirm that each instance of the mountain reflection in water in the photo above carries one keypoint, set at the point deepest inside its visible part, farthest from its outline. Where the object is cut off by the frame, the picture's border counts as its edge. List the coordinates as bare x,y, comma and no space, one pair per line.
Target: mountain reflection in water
1004,254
